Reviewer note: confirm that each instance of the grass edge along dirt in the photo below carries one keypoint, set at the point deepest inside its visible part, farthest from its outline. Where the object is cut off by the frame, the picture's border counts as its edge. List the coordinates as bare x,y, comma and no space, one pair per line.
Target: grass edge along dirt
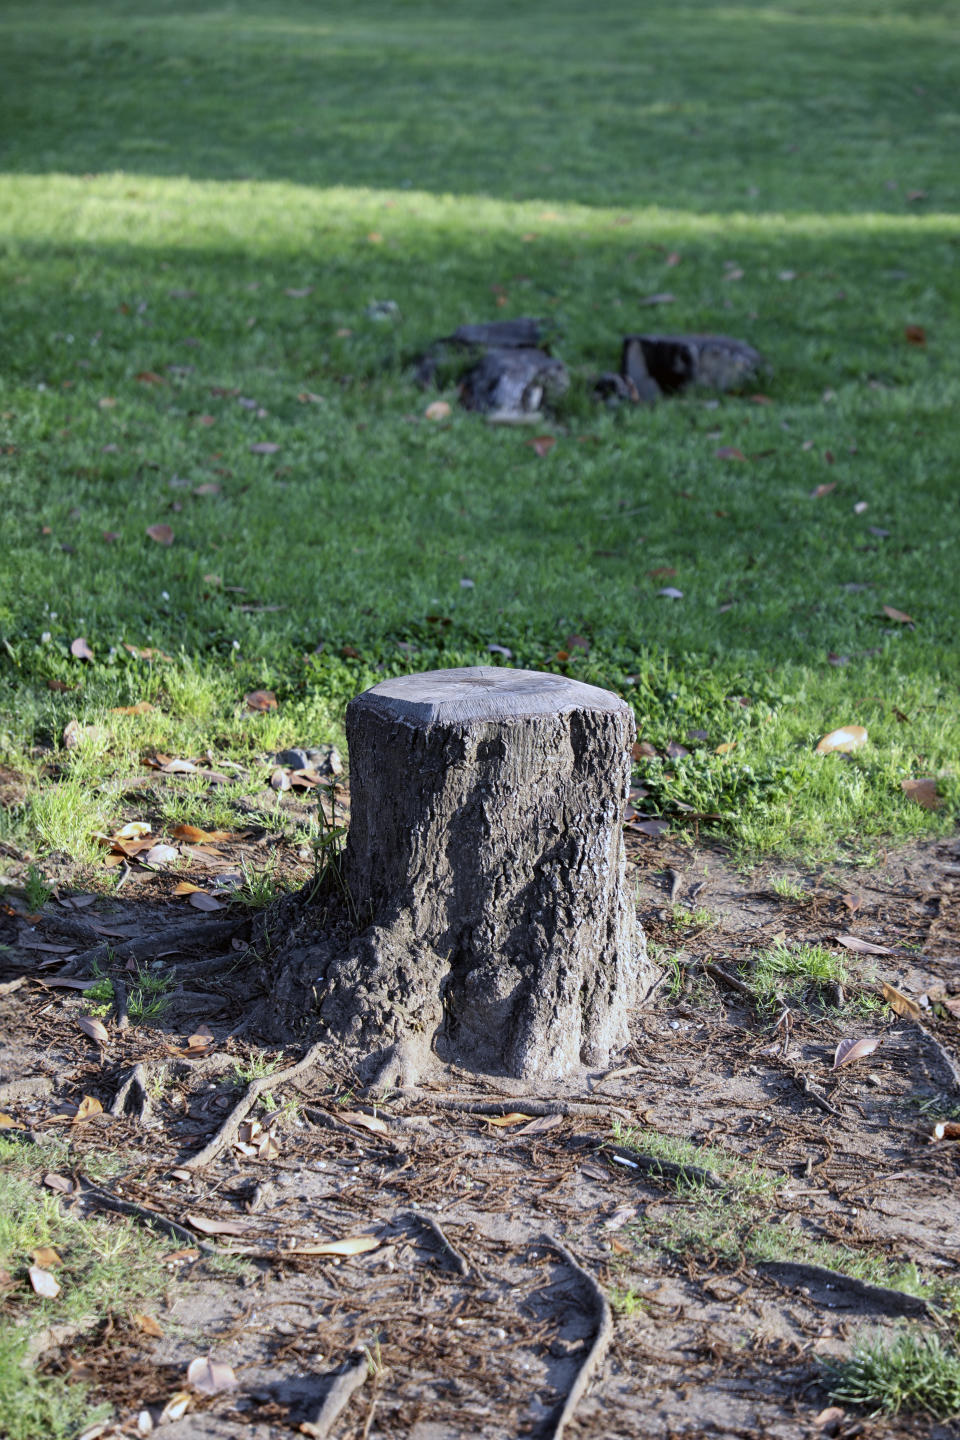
107,1265
755,780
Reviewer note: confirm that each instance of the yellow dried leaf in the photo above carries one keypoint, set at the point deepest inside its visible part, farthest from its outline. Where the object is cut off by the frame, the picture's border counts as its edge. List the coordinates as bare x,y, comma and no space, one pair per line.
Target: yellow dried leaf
900,1003
148,1326
46,1257
437,410
134,831
87,1109
849,737
514,1118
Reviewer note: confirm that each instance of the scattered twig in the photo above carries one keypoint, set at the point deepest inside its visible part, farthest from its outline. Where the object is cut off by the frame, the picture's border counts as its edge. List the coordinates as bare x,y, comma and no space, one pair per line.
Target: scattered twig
105,1200
725,978
890,1302
822,1103
241,1110
943,1055
136,1080
597,1350
460,1264
337,1398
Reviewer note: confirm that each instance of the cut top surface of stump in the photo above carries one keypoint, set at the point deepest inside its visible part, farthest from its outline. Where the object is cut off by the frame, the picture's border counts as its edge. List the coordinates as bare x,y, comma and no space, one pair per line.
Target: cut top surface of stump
484,692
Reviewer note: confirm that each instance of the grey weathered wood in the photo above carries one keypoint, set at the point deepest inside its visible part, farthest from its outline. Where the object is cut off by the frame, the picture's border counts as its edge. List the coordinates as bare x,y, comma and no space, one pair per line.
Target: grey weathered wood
485,855
513,382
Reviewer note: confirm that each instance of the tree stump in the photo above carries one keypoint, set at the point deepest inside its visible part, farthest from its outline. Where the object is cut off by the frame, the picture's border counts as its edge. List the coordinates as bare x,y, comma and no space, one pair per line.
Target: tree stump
485,856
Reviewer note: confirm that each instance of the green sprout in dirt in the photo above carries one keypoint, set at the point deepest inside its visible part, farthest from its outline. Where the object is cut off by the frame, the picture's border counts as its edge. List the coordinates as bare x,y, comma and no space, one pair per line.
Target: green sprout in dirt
783,972
255,1067
146,999
261,885
788,888
912,1370
36,888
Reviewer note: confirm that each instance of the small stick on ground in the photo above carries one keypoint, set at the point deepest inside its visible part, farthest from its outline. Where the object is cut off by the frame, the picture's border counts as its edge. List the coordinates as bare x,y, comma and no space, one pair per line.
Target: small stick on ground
337,1398
665,1169
121,1001
460,1264
729,980
227,1132
598,1349
136,1080
106,1200
943,1055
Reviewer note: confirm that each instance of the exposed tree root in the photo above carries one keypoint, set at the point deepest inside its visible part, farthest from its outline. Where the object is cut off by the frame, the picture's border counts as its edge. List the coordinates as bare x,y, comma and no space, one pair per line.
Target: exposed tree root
942,1054
529,1104
598,1349
337,1398
458,1261
136,1082
105,1200
228,1130
142,947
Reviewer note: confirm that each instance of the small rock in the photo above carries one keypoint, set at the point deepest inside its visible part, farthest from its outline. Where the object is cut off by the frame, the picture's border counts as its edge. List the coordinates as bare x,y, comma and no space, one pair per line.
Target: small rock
293,759
325,760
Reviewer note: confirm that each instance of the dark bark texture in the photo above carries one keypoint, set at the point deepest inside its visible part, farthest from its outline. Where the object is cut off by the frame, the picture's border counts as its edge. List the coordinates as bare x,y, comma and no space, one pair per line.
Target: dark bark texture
485,853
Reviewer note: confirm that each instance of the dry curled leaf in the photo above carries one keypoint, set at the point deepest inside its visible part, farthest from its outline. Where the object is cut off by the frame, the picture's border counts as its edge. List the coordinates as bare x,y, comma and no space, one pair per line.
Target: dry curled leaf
915,335
541,1125
195,836
352,1245
946,1130
899,1003
899,615
847,738
46,1257
175,1408
373,1123
437,410
515,1117
147,1325
279,780
43,1282
80,650
89,1107
821,490
200,900
207,1226
729,452
922,792
542,444
850,1050
861,947
94,1028
211,1377
162,534
260,700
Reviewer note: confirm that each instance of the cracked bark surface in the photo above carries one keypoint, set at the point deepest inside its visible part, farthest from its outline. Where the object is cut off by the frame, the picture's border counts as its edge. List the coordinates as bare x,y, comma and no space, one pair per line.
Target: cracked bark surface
486,857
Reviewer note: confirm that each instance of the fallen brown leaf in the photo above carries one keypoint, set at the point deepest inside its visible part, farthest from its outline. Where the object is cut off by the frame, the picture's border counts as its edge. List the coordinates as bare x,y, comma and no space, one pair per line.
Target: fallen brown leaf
46,1257
260,700
162,534
542,444
922,792
915,335
437,410
946,1130
850,1050
147,1325
373,1123
80,650
94,1028
901,1004
150,377
862,947
88,1108
142,707
206,1226
200,900
899,615
211,1377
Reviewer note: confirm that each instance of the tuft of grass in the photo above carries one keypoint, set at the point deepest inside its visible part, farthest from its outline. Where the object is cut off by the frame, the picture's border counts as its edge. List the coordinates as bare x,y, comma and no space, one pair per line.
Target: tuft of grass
788,888
783,972
747,1179
912,1370
261,885
255,1067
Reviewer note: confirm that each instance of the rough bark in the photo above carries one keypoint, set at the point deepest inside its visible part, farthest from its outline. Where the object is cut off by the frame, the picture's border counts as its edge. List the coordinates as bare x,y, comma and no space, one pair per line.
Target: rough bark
666,364
485,856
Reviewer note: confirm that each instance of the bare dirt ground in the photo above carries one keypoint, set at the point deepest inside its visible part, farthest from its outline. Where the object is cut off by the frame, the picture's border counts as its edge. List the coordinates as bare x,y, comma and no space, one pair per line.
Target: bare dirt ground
482,1299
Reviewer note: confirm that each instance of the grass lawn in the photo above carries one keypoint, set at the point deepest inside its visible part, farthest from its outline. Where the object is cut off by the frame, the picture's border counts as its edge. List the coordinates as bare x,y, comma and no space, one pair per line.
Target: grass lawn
197,206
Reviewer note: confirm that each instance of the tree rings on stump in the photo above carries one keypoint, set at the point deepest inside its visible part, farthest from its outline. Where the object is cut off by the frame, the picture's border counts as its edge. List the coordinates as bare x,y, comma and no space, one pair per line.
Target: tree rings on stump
485,861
